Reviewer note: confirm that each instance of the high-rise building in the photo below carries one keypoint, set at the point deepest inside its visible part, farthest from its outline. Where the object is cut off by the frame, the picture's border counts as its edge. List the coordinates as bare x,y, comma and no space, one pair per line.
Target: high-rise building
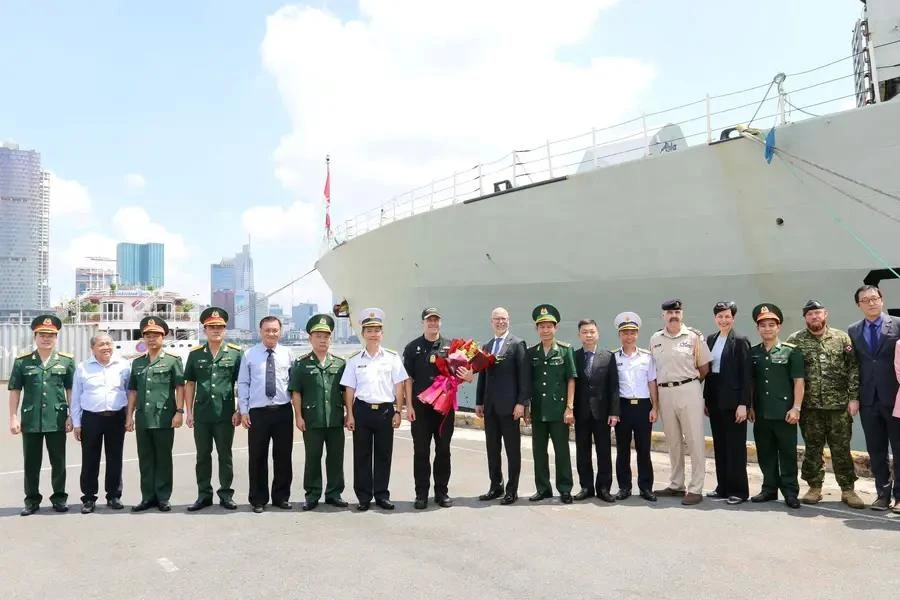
261,304
300,313
141,264
221,287
275,310
225,299
25,233
231,279
93,278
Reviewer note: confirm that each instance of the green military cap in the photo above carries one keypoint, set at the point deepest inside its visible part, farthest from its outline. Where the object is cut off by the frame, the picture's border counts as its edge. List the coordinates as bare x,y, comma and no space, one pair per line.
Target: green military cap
545,312
154,325
320,322
767,311
46,324
214,316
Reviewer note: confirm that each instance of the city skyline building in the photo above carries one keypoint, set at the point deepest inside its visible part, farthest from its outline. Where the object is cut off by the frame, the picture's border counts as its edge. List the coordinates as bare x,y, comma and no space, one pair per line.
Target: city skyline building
93,278
231,280
141,265
25,235
300,313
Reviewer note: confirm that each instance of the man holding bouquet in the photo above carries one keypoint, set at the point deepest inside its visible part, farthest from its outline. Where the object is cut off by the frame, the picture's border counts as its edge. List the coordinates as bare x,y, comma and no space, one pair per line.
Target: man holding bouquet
420,358
552,404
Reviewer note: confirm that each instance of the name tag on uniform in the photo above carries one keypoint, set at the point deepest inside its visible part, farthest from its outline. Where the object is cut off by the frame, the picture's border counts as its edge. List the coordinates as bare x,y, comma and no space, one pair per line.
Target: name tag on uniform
556,360
360,366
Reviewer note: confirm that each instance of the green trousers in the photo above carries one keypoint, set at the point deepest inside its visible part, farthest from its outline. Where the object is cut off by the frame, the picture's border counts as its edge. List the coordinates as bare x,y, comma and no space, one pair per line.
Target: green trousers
776,452
154,448
833,427
332,439
558,432
33,454
223,436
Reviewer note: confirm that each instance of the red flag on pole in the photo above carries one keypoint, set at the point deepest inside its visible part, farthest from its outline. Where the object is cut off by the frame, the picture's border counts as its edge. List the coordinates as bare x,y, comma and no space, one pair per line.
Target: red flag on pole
328,197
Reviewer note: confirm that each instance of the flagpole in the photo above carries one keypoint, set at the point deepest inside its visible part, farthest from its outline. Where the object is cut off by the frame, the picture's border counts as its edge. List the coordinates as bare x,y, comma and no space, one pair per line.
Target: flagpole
327,194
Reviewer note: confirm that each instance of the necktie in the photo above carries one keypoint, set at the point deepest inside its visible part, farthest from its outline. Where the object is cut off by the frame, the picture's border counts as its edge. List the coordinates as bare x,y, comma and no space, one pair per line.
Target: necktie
588,360
497,343
873,338
270,373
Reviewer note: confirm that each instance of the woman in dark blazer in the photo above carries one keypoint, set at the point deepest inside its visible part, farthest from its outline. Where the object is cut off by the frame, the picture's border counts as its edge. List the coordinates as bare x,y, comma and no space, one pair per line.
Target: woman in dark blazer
727,395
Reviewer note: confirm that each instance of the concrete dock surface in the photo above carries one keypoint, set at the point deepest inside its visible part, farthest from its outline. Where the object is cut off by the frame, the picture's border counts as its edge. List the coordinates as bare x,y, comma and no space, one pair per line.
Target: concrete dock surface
630,549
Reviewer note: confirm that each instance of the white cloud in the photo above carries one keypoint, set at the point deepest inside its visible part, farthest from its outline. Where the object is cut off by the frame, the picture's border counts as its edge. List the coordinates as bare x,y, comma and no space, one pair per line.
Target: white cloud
299,221
416,90
68,196
135,181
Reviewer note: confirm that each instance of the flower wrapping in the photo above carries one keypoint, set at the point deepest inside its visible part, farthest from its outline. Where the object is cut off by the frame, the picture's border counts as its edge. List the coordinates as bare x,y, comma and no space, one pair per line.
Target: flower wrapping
441,394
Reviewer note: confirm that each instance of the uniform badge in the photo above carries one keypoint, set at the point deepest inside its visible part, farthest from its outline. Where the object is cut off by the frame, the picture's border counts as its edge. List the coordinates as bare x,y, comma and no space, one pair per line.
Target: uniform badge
371,314
323,321
215,313
48,322
151,322
431,359
764,309
544,310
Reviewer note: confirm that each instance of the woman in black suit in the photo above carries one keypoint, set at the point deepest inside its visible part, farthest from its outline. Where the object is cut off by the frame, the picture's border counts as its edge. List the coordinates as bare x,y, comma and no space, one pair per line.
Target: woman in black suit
727,396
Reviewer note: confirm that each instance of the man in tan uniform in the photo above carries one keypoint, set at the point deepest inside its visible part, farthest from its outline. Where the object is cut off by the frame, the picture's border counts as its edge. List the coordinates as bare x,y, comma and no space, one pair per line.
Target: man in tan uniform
682,361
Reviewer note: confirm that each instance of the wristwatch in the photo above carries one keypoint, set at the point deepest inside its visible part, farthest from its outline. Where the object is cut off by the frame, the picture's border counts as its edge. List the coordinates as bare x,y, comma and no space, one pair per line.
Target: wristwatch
396,411
179,410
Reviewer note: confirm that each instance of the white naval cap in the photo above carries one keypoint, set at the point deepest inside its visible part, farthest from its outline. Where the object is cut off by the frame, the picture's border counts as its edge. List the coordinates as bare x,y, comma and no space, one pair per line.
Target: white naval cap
627,320
371,317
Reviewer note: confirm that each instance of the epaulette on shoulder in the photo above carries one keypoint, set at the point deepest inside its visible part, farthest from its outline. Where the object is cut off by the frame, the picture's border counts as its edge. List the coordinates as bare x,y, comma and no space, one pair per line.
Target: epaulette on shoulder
197,348
66,354
644,350
788,345
697,331
389,350
304,357
563,344
354,354
535,347
25,354
172,355
233,346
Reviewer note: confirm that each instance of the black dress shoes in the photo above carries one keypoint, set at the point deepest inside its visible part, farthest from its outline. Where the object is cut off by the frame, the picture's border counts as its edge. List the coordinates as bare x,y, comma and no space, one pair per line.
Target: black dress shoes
199,504
715,494
164,507
362,506
88,507
228,504
60,508
792,502
509,499
309,505
29,510
605,496
115,504
142,506
384,504
764,497
623,494
584,495
538,496
648,495
443,501
492,494
338,502
283,505
565,498
421,504
258,508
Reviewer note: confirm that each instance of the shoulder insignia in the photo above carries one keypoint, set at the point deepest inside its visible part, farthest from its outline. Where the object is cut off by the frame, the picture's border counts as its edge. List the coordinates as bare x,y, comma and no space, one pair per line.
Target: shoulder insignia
355,353
233,346
644,350
305,356
563,344
172,355
697,331
535,347
66,354
197,348
26,354
786,344
389,350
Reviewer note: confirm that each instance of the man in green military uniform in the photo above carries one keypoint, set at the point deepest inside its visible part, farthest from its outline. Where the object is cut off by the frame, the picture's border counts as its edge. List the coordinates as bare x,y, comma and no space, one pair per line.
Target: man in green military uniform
831,399
552,404
317,396
777,395
210,374
43,380
155,410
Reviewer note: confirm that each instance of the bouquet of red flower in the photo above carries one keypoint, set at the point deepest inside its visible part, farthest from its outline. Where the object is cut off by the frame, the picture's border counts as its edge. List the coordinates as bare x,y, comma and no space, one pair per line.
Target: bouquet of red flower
441,395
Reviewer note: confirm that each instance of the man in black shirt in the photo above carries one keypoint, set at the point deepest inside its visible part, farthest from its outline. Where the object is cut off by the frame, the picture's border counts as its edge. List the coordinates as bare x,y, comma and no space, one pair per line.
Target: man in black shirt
425,422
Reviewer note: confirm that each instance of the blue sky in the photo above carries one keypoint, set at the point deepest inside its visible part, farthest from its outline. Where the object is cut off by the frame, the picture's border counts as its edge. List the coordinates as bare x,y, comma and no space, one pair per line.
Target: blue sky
221,112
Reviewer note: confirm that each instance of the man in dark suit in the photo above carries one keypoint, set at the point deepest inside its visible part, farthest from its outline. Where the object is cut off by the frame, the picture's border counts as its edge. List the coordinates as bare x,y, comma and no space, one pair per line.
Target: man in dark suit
596,410
727,396
874,340
503,392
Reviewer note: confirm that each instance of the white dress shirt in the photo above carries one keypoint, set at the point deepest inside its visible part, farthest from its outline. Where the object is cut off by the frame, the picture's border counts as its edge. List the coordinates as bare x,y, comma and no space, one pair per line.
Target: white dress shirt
635,373
373,377
717,353
252,378
99,388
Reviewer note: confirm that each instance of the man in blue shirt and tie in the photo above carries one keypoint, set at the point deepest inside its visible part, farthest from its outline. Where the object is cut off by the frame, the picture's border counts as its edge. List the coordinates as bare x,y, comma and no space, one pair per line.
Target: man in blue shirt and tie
265,407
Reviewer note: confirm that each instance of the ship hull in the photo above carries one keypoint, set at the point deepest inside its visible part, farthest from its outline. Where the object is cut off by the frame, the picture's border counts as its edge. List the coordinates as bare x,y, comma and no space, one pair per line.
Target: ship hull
708,223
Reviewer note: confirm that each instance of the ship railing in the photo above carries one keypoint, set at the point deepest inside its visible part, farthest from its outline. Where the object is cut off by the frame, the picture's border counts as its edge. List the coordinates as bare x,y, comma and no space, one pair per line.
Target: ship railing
798,96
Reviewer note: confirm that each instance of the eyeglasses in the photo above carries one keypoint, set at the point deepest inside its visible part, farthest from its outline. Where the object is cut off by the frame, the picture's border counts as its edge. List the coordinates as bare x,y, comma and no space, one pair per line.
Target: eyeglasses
870,300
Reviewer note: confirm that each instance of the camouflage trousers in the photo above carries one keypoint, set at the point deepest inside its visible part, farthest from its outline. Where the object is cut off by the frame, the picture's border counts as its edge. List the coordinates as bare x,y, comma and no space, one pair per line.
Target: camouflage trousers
827,426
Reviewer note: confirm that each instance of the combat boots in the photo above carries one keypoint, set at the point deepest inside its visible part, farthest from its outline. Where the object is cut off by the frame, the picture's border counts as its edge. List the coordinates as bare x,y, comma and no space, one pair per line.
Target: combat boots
850,498
812,496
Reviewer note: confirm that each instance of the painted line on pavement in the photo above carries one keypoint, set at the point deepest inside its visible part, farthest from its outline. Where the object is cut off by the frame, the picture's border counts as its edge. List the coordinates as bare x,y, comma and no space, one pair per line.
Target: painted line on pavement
167,565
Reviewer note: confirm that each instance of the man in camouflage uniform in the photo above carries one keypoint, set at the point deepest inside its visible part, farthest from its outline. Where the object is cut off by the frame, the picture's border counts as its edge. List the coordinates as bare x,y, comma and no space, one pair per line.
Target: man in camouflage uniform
832,390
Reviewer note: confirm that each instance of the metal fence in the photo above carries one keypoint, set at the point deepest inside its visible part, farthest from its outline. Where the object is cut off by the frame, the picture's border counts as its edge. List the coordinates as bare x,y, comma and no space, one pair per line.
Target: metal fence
18,339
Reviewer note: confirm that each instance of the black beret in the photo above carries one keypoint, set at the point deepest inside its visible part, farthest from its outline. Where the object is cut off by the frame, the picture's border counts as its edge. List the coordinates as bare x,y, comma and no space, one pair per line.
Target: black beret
812,305
673,304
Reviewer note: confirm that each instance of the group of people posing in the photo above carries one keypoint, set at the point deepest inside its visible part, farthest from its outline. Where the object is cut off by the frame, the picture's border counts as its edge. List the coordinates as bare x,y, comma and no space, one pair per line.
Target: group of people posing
819,378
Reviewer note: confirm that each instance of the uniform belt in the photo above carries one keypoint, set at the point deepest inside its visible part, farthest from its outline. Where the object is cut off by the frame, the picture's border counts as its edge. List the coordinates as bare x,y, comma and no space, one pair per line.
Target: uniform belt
106,413
634,400
375,406
272,406
677,383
